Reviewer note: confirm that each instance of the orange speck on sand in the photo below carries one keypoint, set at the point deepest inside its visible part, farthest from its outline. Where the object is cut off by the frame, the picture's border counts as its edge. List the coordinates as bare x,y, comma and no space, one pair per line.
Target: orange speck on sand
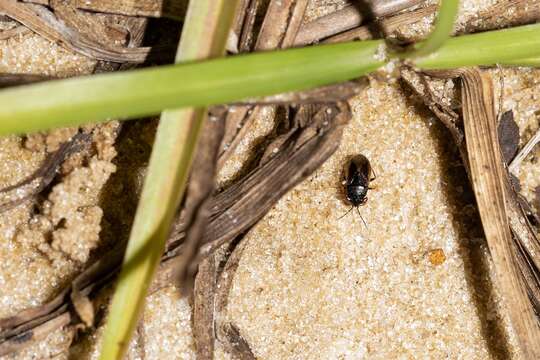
436,256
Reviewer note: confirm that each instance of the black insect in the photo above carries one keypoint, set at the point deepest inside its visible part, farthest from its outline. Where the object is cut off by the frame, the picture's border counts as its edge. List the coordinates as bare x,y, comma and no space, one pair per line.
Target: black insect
358,175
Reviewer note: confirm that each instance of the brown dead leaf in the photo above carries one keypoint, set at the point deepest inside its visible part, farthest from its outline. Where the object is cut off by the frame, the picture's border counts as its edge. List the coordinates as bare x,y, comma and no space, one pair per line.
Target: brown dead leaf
508,132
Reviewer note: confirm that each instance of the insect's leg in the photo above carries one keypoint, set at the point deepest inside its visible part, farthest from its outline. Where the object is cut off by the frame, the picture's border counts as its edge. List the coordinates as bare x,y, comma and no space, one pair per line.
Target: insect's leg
341,217
374,177
364,221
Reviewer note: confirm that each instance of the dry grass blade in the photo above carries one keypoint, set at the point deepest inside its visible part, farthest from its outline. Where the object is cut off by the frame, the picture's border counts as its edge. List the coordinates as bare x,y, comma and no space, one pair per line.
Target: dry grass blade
31,336
203,309
281,24
388,25
42,21
348,18
225,331
150,8
488,178
18,30
247,35
238,345
511,12
527,244
199,191
29,187
507,13
92,26
196,211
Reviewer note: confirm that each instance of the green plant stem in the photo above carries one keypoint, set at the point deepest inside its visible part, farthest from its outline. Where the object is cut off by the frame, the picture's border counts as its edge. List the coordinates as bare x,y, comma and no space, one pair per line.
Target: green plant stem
487,48
529,62
440,34
146,92
204,35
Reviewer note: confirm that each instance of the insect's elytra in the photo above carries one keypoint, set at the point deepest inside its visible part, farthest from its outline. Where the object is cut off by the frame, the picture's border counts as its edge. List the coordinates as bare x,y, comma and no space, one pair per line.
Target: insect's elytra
358,175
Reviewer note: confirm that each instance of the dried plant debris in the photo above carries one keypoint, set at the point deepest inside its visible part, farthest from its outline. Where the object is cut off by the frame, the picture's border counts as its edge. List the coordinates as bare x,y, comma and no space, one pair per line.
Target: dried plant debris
490,184
281,23
46,23
272,178
279,27
233,212
199,191
529,146
203,309
149,8
238,345
323,95
350,17
95,27
8,80
16,31
243,35
396,22
26,189
536,202
417,82
508,132
516,253
387,25
506,13
227,334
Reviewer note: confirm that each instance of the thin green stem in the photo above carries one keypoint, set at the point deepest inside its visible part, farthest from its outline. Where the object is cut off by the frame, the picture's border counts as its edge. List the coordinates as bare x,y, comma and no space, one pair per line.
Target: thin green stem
204,35
149,91
487,48
440,34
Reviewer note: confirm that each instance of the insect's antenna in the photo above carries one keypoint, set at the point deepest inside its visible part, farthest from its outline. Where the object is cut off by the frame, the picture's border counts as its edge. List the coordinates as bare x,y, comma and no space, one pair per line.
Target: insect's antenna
364,221
346,213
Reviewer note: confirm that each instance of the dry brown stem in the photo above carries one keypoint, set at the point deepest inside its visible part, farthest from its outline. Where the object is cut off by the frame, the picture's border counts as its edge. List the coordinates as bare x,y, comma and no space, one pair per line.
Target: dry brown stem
491,190
149,8
348,18
513,244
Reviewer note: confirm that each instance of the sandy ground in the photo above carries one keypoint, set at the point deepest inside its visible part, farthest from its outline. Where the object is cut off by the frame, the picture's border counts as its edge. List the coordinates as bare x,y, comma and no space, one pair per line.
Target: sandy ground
416,283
